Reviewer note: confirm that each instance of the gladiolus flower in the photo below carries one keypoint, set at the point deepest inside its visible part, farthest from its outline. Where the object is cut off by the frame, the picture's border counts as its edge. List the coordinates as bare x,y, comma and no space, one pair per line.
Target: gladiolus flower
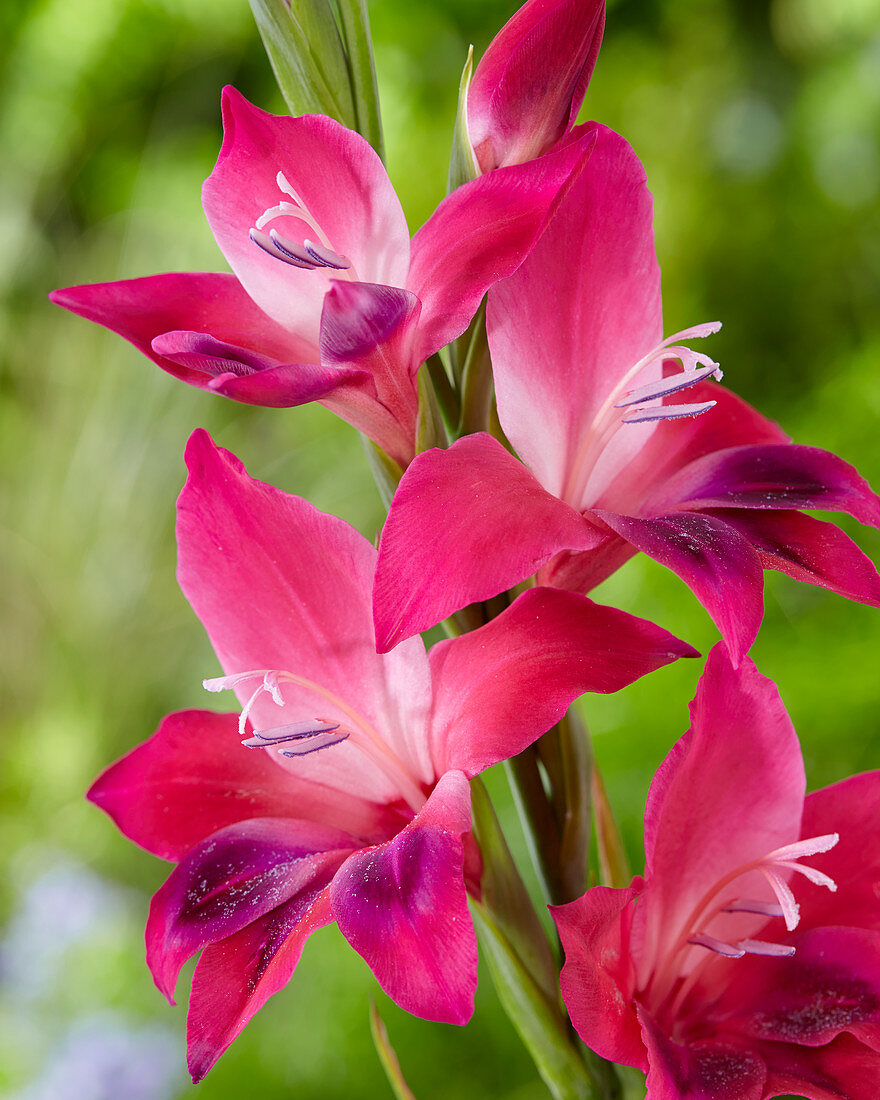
530,83
341,791
626,444
329,300
746,963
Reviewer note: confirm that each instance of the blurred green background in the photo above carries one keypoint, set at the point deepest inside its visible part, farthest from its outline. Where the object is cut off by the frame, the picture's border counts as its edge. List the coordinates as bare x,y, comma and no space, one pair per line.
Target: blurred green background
758,122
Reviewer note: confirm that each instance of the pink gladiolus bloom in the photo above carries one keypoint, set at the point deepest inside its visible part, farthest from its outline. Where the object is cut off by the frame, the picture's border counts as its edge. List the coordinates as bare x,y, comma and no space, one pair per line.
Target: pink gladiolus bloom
530,83
746,963
329,300
341,792
626,444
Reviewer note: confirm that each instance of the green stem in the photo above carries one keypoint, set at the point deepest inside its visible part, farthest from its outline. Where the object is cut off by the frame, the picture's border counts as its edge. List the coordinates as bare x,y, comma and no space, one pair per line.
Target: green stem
515,946
354,23
447,398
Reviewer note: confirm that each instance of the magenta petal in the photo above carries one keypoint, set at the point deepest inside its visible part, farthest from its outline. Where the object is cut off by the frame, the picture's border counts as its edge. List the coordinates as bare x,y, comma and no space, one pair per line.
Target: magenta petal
780,476
850,808
844,1068
199,351
672,446
530,82
595,266
282,586
706,1070
403,907
250,376
808,550
142,310
465,524
192,778
481,233
742,756
831,985
713,559
372,329
548,648
235,978
597,979
229,880
358,318
343,185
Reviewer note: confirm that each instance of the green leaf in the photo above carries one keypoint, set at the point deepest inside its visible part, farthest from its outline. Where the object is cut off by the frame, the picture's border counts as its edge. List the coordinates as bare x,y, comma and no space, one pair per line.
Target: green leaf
613,863
477,381
505,897
386,472
357,40
463,166
537,1018
388,1057
308,57
430,430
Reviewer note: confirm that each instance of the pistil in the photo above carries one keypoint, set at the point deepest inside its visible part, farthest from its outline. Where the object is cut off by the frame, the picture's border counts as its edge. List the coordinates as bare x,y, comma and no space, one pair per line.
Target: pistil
610,416
308,256
324,732
716,901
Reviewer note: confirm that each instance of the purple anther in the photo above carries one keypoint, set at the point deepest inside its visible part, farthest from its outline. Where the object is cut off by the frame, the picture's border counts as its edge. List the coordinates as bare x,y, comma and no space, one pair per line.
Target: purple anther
295,731
270,247
667,412
759,947
316,743
326,257
751,905
702,939
666,386
293,253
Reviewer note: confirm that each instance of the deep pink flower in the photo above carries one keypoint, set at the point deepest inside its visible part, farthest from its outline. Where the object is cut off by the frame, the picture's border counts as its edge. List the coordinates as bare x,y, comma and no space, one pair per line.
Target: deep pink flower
349,799
530,83
616,455
746,963
329,300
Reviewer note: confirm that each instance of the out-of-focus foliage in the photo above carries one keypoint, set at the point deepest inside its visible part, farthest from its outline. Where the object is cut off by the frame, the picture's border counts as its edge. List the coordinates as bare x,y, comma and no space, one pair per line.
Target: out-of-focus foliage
758,123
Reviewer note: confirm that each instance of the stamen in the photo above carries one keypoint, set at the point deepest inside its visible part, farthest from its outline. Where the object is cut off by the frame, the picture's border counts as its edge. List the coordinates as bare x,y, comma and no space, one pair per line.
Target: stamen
270,247
307,256
670,385
702,939
326,257
750,905
607,420
667,412
293,732
316,743
760,947
291,250
318,733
